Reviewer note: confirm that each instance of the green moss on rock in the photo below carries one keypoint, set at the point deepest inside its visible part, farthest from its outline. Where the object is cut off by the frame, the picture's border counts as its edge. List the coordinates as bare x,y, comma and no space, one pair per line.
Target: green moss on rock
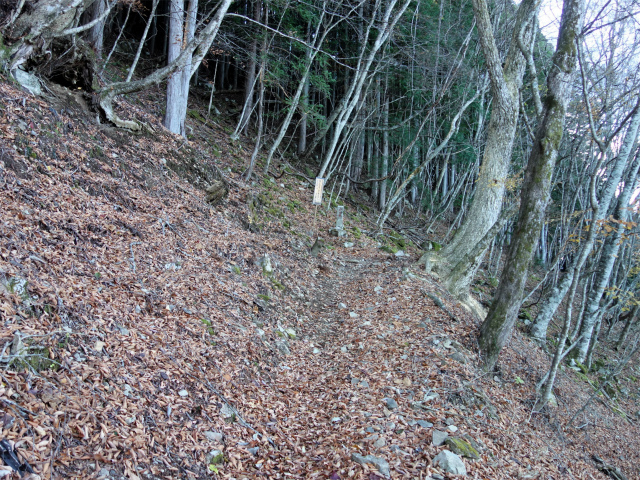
462,447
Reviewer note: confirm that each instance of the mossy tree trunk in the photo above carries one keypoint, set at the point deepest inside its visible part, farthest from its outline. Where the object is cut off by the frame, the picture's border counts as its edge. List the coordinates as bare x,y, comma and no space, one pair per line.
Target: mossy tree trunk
497,327
506,82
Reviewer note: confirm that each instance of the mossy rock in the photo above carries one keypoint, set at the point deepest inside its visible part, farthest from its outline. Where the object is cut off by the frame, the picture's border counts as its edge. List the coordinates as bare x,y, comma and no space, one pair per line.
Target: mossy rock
525,315
215,457
399,240
462,447
389,249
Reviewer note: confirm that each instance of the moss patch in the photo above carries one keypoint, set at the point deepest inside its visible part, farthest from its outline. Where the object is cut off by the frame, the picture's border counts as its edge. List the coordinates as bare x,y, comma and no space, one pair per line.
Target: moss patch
462,447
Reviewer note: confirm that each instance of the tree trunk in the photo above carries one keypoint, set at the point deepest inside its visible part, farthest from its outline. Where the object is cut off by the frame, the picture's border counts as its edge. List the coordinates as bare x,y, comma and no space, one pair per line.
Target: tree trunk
250,79
181,32
382,198
96,33
605,266
497,327
490,185
350,100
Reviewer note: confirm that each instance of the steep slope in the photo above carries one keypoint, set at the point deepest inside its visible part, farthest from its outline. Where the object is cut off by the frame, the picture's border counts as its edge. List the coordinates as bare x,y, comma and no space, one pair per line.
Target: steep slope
145,330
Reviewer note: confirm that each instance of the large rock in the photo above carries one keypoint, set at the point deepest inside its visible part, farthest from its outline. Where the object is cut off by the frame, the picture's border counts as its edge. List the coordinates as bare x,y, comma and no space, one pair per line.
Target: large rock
28,81
450,462
380,463
462,447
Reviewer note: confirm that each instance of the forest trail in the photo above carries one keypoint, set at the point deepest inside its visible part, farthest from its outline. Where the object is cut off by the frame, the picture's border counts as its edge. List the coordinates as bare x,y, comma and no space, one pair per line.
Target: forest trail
169,341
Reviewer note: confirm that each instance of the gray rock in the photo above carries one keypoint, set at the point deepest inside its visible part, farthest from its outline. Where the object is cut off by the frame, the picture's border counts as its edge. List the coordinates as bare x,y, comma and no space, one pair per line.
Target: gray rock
28,80
458,357
183,393
400,253
380,463
348,244
214,436
380,442
265,263
370,430
438,437
430,397
452,428
316,351
127,390
353,314
425,424
227,412
283,347
254,450
291,333
103,473
364,384
450,462
342,306
390,403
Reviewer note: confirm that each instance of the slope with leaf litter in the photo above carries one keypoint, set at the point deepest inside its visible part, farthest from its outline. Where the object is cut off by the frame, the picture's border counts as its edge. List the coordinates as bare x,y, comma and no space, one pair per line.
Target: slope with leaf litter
152,335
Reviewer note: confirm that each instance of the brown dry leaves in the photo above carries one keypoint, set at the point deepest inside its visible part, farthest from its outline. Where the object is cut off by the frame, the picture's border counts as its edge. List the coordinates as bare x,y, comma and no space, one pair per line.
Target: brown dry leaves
146,299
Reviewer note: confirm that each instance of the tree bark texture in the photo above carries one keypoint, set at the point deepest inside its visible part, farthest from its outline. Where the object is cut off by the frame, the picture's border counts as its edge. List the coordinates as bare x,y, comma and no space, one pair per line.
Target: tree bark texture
491,183
498,326
181,32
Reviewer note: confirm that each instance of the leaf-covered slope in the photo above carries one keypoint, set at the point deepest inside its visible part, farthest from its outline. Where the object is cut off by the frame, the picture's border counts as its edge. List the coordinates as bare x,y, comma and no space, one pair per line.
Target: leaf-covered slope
167,338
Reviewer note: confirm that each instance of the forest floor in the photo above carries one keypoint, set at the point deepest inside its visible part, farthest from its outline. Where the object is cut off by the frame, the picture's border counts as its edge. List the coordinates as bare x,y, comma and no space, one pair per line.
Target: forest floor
145,337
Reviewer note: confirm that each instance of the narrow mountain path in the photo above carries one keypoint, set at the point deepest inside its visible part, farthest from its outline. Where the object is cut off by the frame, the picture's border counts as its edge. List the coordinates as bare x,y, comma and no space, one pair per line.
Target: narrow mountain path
355,372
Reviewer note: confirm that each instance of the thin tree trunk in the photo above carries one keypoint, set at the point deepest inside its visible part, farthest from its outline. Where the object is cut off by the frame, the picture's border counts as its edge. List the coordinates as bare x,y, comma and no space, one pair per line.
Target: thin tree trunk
600,209
250,80
382,198
605,266
364,66
142,40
